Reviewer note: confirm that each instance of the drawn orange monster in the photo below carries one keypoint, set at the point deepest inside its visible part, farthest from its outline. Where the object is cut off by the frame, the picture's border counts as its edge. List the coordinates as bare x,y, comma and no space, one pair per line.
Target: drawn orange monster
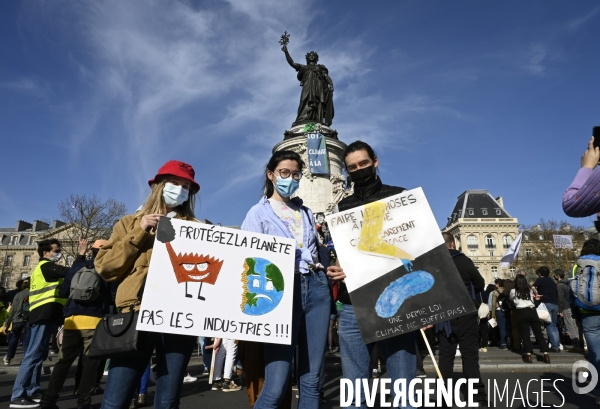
194,268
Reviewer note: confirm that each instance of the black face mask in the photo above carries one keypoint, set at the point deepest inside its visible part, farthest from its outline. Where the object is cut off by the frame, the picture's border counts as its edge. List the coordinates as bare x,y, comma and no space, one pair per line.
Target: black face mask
363,177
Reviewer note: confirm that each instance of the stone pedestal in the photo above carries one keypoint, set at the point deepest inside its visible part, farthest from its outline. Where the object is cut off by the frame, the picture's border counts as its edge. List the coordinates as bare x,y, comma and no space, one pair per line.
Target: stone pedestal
319,192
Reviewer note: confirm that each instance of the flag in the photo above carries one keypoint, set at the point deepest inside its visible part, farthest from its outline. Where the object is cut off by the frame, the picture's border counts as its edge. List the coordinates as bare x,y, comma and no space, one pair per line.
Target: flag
512,252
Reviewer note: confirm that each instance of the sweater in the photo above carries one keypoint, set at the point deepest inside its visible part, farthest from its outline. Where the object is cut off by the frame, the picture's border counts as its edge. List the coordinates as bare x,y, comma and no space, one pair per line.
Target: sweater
582,197
519,303
562,288
125,259
261,218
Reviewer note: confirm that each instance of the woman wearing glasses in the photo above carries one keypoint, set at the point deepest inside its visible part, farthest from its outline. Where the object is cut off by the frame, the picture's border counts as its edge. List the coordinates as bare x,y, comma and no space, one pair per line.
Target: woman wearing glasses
280,215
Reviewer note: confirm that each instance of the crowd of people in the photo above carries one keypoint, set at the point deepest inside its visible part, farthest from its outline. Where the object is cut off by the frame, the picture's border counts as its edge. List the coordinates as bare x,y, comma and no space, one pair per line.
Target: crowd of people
110,277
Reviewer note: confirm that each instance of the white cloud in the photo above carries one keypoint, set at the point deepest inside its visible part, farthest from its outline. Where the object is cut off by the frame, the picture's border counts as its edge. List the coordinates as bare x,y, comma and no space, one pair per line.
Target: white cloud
576,23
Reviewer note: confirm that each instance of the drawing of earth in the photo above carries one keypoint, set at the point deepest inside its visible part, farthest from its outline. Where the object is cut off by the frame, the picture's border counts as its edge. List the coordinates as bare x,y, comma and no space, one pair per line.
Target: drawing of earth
263,286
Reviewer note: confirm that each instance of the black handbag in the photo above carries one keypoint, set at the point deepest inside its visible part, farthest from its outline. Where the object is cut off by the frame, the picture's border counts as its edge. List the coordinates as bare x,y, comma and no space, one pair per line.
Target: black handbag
116,336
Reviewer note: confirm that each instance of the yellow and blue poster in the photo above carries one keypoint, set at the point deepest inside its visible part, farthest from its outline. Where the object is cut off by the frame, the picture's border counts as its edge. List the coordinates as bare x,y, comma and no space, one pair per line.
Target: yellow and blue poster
399,273
318,162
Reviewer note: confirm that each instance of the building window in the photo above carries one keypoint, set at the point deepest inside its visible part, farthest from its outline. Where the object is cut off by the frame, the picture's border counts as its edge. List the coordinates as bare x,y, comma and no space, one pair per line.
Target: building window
498,212
31,240
526,237
484,212
512,271
8,261
506,241
585,236
491,254
528,253
14,240
494,271
26,261
69,261
24,276
4,279
472,242
541,237
473,253
471,212
490,242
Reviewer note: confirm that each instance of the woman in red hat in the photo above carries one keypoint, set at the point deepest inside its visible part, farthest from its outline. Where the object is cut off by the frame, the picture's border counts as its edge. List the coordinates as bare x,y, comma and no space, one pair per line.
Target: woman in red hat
125,259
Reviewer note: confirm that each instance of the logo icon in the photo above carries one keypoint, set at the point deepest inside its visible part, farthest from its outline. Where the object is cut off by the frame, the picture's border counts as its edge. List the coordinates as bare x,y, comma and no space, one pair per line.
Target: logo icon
580,377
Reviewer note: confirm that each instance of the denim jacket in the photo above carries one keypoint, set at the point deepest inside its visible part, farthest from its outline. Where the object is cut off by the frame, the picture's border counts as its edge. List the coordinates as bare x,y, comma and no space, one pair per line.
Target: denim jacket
261,218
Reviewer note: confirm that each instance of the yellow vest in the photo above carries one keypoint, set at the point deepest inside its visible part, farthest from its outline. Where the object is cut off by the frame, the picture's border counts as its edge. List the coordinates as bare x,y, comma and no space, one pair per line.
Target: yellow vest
42,292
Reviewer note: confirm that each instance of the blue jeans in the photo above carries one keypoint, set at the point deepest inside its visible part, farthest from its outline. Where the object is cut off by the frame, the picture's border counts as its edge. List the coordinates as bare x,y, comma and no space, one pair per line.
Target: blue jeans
310,323
173,353
18,328
501,318
399,353
30,372
591,330
144,382
551,328
206,354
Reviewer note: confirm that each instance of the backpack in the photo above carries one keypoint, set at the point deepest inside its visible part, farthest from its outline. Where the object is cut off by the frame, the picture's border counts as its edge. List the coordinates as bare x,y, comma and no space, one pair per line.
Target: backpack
586,283
85,285
25,309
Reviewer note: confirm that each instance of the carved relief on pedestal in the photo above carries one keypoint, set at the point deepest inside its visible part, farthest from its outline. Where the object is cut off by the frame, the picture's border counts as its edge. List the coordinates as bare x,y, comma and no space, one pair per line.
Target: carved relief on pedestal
338,190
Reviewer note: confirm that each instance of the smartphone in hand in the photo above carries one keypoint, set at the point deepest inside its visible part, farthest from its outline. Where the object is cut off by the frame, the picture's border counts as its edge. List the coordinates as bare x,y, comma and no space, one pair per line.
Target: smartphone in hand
596,135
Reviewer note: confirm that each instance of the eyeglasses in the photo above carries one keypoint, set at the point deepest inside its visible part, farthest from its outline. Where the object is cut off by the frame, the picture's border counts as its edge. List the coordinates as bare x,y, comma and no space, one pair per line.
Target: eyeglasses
286,173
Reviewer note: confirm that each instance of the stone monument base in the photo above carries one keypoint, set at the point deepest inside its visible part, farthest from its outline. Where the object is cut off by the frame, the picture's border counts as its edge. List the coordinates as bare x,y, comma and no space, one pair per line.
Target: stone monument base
320,193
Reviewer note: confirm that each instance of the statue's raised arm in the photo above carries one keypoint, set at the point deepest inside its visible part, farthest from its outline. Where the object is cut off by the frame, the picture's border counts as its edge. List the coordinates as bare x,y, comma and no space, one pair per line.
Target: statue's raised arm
289,59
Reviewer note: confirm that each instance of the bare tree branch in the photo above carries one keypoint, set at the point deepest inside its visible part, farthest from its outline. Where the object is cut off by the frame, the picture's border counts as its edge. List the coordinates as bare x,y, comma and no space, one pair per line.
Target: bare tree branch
88,217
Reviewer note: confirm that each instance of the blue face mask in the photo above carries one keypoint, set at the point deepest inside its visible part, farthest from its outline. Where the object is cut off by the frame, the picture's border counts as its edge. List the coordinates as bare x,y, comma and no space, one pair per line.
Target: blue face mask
286,187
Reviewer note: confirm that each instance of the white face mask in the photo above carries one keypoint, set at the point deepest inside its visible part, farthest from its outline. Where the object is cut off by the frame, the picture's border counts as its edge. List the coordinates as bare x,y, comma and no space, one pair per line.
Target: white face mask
174,195
55,257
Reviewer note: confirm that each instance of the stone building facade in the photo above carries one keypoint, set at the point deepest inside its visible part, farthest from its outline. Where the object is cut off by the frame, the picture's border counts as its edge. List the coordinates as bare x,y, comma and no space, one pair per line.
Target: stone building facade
483,231
18,248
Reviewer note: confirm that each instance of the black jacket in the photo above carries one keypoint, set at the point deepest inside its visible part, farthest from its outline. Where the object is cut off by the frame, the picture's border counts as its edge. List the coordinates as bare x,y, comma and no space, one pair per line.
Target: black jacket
376,191
52,311
97,308
468,273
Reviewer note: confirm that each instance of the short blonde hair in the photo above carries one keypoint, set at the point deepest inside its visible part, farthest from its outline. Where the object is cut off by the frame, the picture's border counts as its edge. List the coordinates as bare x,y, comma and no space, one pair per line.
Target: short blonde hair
155,204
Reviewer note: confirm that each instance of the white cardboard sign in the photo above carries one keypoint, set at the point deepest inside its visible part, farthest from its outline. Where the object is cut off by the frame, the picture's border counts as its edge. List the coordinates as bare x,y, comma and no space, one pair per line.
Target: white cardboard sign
219,282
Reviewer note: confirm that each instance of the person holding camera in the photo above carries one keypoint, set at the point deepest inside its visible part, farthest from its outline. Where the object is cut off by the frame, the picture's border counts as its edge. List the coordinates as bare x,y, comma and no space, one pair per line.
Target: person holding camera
581,198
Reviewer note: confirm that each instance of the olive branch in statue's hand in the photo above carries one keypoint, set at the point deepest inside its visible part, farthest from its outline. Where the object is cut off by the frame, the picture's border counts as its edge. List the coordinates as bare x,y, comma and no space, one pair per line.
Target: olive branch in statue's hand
284,41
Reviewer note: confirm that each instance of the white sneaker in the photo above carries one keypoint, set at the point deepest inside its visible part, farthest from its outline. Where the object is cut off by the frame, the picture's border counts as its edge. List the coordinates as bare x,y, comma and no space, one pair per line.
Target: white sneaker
189,378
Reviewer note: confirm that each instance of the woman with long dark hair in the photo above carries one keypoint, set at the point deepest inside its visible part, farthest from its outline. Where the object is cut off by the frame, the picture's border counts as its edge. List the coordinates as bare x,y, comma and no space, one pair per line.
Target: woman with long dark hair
527,316
278,214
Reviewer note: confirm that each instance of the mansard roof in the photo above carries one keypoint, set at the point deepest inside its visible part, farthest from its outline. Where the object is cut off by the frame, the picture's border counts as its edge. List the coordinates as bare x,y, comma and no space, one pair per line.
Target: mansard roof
477,204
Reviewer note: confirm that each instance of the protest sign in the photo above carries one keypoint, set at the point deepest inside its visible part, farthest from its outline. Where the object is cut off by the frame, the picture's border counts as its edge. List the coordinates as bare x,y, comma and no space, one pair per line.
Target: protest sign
219,282
317,154
563,241
399,273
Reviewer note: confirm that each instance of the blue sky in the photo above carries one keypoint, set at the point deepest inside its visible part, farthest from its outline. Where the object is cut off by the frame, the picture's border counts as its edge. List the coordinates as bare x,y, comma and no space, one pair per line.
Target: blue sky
453,95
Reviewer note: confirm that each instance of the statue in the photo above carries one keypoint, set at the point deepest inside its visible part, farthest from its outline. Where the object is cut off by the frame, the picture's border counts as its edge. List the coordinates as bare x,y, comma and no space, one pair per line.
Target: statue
316,99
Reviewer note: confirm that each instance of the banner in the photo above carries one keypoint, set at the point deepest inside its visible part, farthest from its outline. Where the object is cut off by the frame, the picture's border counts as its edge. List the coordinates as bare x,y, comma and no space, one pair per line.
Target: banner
399,272
317,154
219,282
512,252
563,241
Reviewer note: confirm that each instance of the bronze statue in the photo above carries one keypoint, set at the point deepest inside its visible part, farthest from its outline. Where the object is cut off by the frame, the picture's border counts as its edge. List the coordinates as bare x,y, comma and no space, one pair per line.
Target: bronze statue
316,99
